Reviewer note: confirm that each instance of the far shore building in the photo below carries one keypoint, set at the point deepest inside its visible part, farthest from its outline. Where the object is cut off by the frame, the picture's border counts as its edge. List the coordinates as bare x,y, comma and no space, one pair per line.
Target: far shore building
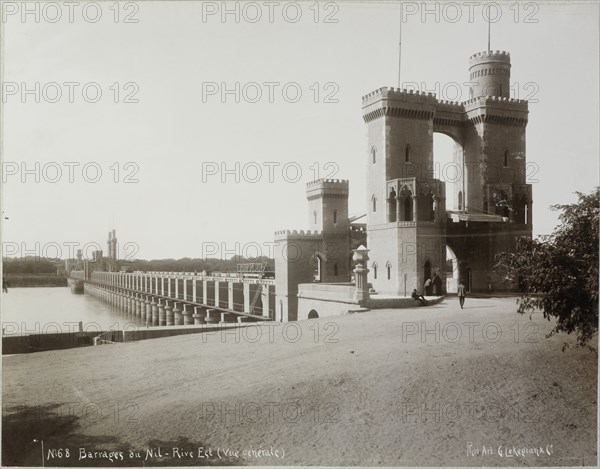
409,228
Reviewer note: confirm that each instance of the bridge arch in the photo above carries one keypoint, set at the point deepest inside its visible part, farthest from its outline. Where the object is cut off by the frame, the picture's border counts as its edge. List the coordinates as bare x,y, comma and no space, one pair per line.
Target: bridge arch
449,166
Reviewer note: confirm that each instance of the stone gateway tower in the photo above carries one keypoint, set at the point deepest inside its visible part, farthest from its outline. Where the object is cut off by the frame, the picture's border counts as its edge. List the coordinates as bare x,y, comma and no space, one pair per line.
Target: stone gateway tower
408,224
412,223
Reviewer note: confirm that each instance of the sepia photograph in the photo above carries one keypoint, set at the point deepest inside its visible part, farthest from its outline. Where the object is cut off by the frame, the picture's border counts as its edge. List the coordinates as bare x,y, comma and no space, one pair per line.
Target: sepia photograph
300,233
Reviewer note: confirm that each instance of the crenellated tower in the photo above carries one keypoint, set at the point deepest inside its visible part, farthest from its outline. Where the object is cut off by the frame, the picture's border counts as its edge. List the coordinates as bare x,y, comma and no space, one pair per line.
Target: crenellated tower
489,74
406,204
407,220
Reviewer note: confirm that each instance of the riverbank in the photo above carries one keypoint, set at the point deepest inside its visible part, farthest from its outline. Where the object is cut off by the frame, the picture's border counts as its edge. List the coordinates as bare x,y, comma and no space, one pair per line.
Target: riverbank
434,386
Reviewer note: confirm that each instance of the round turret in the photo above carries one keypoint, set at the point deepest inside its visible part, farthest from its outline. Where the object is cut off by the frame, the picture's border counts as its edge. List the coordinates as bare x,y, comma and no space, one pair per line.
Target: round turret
489,73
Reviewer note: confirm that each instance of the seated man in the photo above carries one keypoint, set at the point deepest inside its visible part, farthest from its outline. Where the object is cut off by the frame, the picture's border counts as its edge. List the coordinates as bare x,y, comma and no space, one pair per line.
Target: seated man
420,298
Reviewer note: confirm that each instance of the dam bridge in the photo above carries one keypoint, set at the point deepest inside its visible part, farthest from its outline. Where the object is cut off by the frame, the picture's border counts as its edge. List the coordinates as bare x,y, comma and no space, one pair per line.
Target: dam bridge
182,298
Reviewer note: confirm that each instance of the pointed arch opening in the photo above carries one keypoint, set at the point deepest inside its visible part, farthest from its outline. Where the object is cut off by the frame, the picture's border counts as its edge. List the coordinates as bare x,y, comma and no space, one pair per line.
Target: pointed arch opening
318,264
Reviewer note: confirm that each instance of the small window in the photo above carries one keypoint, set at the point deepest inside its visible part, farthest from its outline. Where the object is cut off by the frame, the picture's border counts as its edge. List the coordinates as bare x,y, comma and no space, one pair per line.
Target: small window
506,158
335,212
315,217
374,155
375,271
407,153
374,202
389,271
335,270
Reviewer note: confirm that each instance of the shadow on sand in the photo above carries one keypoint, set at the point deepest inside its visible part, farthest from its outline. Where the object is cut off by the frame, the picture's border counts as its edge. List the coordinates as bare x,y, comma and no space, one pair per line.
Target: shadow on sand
24,428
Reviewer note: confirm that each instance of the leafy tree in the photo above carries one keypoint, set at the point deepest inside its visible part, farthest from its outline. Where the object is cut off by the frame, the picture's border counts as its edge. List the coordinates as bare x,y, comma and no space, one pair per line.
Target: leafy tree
558,273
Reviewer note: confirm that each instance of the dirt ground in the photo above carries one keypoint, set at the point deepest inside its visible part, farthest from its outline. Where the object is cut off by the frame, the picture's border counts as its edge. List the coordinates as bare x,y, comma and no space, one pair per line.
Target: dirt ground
435,386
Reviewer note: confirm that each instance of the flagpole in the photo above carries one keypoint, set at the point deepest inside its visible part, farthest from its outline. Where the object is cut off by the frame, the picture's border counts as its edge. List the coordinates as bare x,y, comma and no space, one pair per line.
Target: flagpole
489,27
400,49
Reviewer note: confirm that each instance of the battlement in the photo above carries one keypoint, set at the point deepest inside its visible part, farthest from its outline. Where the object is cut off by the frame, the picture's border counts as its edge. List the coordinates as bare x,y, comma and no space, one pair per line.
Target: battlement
327,187
288,235
520,104
331,182
489,56
452,106
399,95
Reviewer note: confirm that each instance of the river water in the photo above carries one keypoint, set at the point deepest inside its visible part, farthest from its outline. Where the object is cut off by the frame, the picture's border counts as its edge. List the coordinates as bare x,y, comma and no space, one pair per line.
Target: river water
56,309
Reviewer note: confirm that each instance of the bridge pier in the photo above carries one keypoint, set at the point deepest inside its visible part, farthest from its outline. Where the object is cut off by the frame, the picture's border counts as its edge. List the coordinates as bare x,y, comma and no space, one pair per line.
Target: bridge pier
138,305
199,315
212,316
148,311
178,317
129,304
154,308
187,314
161,313
227,317
168,313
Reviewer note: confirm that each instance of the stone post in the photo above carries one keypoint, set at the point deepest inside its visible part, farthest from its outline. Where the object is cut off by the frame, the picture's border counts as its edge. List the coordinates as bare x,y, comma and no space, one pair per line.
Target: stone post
360,257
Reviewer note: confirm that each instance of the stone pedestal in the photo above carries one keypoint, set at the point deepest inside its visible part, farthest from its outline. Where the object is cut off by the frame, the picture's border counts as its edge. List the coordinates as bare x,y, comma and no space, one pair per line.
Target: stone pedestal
361,256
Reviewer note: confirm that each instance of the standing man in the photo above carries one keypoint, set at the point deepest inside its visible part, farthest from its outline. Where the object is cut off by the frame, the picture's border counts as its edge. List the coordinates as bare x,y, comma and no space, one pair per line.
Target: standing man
461,294
4,285
427,287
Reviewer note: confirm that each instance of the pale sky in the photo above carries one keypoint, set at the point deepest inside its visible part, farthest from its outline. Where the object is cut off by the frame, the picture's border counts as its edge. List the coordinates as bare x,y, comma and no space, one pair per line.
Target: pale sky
177,133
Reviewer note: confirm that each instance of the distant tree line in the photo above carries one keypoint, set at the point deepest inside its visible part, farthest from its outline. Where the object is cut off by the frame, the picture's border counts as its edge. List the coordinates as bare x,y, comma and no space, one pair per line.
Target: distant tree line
187,264
31,265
